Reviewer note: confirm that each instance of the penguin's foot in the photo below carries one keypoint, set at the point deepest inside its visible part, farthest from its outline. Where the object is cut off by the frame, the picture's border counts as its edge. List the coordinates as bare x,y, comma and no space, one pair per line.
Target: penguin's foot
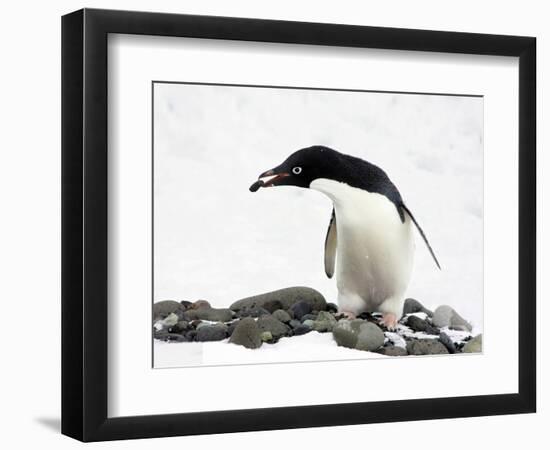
348,315
389,320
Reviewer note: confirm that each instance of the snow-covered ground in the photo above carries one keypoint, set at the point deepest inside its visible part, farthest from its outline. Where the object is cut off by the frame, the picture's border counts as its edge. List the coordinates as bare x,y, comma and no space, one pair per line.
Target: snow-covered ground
215,240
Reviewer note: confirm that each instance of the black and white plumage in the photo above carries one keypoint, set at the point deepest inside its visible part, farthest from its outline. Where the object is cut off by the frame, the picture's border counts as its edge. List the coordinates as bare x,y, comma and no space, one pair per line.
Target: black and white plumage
369,242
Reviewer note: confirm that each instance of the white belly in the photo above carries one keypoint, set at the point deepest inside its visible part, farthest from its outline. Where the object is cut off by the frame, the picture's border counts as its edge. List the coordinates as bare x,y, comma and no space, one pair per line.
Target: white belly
375,250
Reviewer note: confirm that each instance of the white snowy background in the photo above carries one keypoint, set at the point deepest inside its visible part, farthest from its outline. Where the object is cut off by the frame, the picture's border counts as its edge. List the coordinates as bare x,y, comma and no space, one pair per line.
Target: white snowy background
215,240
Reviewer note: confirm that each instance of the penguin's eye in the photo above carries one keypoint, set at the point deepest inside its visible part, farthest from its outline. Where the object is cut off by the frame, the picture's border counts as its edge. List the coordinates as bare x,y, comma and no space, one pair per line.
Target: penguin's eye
296,170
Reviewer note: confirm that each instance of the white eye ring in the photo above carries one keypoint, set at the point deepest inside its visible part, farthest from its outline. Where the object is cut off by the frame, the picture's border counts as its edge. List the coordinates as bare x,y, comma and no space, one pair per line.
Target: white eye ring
296,170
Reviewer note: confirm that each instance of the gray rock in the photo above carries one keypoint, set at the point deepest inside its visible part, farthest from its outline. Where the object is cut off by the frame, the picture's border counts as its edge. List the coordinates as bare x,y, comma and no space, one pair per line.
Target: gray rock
212,314
309,317
325,322
181,327
474,345
164,308
170,337
275,327
287,297
253,312
295,323
418,324
272,305
281,315
209,333
447,342
168,322
199,304
445,316
301,329
370,337
300,309
332,307
344,335
392,351
414,306
308,323
247,333
191,335
426,347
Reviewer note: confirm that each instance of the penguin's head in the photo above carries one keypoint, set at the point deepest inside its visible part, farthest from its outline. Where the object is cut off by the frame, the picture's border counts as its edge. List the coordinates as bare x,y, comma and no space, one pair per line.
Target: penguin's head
301,168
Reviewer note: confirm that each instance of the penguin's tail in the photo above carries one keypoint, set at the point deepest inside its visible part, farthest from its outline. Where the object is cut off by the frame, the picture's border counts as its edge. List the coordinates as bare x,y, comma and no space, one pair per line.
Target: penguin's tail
419,228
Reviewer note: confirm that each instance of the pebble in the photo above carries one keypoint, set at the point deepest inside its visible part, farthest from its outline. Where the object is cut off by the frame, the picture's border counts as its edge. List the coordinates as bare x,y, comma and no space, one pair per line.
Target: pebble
301,329
426,347
281,315
277,328
300,309
418,324
295,323
447,342
209,333
211,314
325,322
344,335
445,316
332,307
412,306
253,312
199,304
165,307
246,333
392,351
266,336
370,337
474,345
170,337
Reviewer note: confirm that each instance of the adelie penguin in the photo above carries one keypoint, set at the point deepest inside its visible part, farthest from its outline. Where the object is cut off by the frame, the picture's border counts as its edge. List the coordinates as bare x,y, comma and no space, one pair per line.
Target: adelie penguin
370,242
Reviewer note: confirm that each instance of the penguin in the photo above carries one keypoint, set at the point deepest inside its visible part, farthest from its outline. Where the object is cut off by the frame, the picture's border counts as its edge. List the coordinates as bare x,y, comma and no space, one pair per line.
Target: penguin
369,243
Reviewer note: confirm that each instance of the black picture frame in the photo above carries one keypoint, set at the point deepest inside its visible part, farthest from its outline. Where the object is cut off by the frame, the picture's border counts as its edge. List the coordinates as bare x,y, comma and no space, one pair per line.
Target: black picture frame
84,224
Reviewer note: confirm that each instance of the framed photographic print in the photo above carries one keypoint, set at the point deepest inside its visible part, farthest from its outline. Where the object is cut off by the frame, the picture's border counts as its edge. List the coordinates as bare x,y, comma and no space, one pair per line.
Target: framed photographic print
291,224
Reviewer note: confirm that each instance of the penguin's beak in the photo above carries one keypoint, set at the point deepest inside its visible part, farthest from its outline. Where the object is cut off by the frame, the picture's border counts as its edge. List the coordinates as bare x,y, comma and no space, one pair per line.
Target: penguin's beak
268,179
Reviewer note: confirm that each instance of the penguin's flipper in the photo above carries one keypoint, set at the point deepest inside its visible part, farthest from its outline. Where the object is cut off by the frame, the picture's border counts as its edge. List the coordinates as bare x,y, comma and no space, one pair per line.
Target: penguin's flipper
421,234
330,246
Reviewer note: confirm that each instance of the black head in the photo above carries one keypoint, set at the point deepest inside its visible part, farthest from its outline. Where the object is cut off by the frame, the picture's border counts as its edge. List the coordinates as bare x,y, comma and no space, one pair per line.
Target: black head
302,167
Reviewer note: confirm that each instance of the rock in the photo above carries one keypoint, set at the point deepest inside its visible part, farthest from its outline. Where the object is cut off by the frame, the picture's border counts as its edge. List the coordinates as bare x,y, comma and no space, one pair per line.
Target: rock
253,312
370,337
191,335
286,297
301,329
211,314
426,347
272,305
474,345
181,327
281,315
447,342
392,351
231,327
325,322
168,322
164,308
445,316
308,323
344,335
331,307
275,327
417,324
414,306
300,309
295,323
309,317
199,304
247,333
266,336
185,304
170,337
209,333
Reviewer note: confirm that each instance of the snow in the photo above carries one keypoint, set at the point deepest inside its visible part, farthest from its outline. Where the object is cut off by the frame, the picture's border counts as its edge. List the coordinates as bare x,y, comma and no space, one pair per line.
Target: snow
215,240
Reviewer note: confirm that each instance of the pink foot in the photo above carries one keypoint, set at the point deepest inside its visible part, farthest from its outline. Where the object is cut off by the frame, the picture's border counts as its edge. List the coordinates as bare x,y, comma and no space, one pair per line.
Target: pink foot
389,321
348,315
